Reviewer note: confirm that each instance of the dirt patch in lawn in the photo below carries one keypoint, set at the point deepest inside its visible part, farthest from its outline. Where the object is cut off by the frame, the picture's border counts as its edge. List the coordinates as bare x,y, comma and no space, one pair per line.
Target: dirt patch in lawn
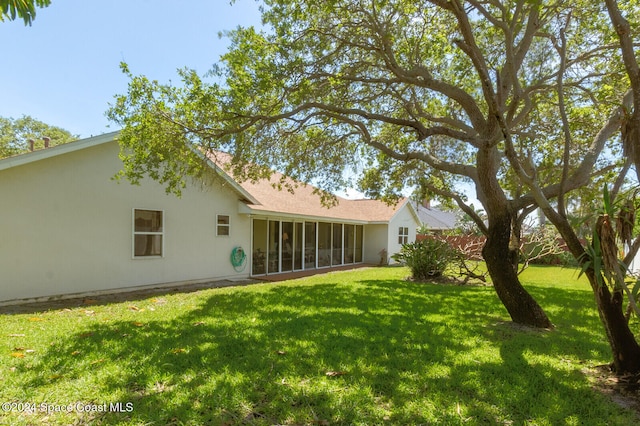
622,390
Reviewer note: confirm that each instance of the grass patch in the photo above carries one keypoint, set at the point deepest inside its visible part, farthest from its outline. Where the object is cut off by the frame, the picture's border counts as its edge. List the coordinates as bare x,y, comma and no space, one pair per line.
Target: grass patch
360,347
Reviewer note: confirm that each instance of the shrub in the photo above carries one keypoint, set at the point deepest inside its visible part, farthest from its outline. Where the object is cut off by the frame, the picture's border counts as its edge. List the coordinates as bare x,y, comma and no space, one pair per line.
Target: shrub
427,258
544,247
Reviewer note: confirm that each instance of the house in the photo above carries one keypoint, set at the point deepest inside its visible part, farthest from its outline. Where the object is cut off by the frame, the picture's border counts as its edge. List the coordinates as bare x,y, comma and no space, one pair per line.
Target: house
68,229
634,267
434,219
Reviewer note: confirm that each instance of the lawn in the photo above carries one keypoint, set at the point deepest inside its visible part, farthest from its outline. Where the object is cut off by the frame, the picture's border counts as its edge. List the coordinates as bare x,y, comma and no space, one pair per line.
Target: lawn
360,347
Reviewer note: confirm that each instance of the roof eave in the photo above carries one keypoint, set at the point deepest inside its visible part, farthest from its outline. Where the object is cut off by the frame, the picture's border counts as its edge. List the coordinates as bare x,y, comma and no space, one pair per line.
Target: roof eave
224,175
412,210
247,209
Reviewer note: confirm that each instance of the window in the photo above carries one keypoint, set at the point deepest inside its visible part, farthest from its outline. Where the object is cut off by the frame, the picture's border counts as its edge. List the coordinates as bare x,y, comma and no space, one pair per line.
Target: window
403,235
223,225
148,233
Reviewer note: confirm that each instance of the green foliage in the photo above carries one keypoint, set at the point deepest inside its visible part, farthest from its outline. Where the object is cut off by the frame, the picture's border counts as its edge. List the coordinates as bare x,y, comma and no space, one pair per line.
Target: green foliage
423,230
427,259
15,134
593,258
601,255
398,93
466,225
25,9
390,91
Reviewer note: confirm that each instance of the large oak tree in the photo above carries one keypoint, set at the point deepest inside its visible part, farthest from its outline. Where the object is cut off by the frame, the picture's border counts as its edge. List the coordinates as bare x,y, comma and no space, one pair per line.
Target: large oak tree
425,92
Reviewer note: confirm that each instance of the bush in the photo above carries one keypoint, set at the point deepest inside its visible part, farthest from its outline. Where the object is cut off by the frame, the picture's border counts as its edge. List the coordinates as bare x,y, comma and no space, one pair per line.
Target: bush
544,247
427,259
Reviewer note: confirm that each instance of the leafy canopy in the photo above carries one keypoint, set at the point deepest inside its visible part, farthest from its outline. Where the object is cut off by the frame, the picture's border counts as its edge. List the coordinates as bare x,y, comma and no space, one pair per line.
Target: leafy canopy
398,93
15,134
25,9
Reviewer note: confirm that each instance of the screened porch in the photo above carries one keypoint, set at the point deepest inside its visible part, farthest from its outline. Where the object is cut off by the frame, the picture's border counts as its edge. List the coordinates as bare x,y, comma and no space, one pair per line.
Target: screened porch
285,246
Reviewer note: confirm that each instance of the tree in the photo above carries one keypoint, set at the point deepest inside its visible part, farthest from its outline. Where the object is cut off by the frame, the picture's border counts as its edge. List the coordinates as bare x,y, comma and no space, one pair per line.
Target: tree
598,257
25,9
16,133
429,92
630,127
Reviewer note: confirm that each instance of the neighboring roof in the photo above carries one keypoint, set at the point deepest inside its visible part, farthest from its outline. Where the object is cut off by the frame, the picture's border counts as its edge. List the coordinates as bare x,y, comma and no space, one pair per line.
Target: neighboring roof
435,218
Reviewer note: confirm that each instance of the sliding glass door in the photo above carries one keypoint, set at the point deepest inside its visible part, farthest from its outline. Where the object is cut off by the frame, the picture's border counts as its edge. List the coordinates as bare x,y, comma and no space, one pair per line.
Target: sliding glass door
336,258
274,247
324,244
309,245
349,243
260,250
358,244
297,246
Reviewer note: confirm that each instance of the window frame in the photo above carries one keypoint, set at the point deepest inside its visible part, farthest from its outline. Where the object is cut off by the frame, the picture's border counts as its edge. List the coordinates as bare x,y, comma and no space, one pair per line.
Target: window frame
135,233
226,226
403,235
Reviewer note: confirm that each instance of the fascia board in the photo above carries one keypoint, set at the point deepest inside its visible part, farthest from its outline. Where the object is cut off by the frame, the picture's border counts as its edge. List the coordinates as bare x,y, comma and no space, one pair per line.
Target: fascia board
246,209
32,157
220,172
412,210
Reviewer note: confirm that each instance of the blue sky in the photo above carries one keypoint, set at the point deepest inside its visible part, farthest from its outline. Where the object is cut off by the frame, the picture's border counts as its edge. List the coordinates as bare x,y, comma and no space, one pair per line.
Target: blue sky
64,69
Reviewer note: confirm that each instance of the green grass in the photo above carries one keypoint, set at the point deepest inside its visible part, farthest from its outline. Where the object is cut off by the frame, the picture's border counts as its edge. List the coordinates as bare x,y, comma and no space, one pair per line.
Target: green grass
404,353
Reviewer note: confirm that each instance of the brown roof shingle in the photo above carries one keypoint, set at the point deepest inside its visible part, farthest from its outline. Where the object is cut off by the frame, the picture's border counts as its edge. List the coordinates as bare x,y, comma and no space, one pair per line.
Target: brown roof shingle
304,202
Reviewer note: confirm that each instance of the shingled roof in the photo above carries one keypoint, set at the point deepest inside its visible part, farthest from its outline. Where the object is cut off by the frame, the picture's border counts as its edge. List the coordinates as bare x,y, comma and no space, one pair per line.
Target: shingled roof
305,202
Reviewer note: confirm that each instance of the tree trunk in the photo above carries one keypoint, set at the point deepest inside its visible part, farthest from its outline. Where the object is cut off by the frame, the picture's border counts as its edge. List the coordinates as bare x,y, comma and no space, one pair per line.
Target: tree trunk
522,308
497,252
625,349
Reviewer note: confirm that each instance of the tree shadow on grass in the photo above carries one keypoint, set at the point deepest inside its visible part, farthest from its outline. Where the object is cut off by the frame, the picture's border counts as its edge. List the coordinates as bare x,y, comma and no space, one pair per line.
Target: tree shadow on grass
370,353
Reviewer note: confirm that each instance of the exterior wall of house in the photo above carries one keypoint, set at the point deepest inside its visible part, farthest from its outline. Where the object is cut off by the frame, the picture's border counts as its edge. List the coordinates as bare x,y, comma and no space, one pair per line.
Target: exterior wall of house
66,227
405,220
635,264
376,238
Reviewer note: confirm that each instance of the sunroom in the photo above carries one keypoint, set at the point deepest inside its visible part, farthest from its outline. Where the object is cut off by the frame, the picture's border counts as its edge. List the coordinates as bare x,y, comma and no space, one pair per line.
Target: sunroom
285,245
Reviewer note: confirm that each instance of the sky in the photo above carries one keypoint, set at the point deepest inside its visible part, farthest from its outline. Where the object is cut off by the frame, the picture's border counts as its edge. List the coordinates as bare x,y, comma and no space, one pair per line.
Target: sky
64,70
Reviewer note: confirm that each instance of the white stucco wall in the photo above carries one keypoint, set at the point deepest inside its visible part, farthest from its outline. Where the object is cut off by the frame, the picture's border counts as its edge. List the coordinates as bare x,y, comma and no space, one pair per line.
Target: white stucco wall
404,218
375,239
379,236
66,227
635,264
